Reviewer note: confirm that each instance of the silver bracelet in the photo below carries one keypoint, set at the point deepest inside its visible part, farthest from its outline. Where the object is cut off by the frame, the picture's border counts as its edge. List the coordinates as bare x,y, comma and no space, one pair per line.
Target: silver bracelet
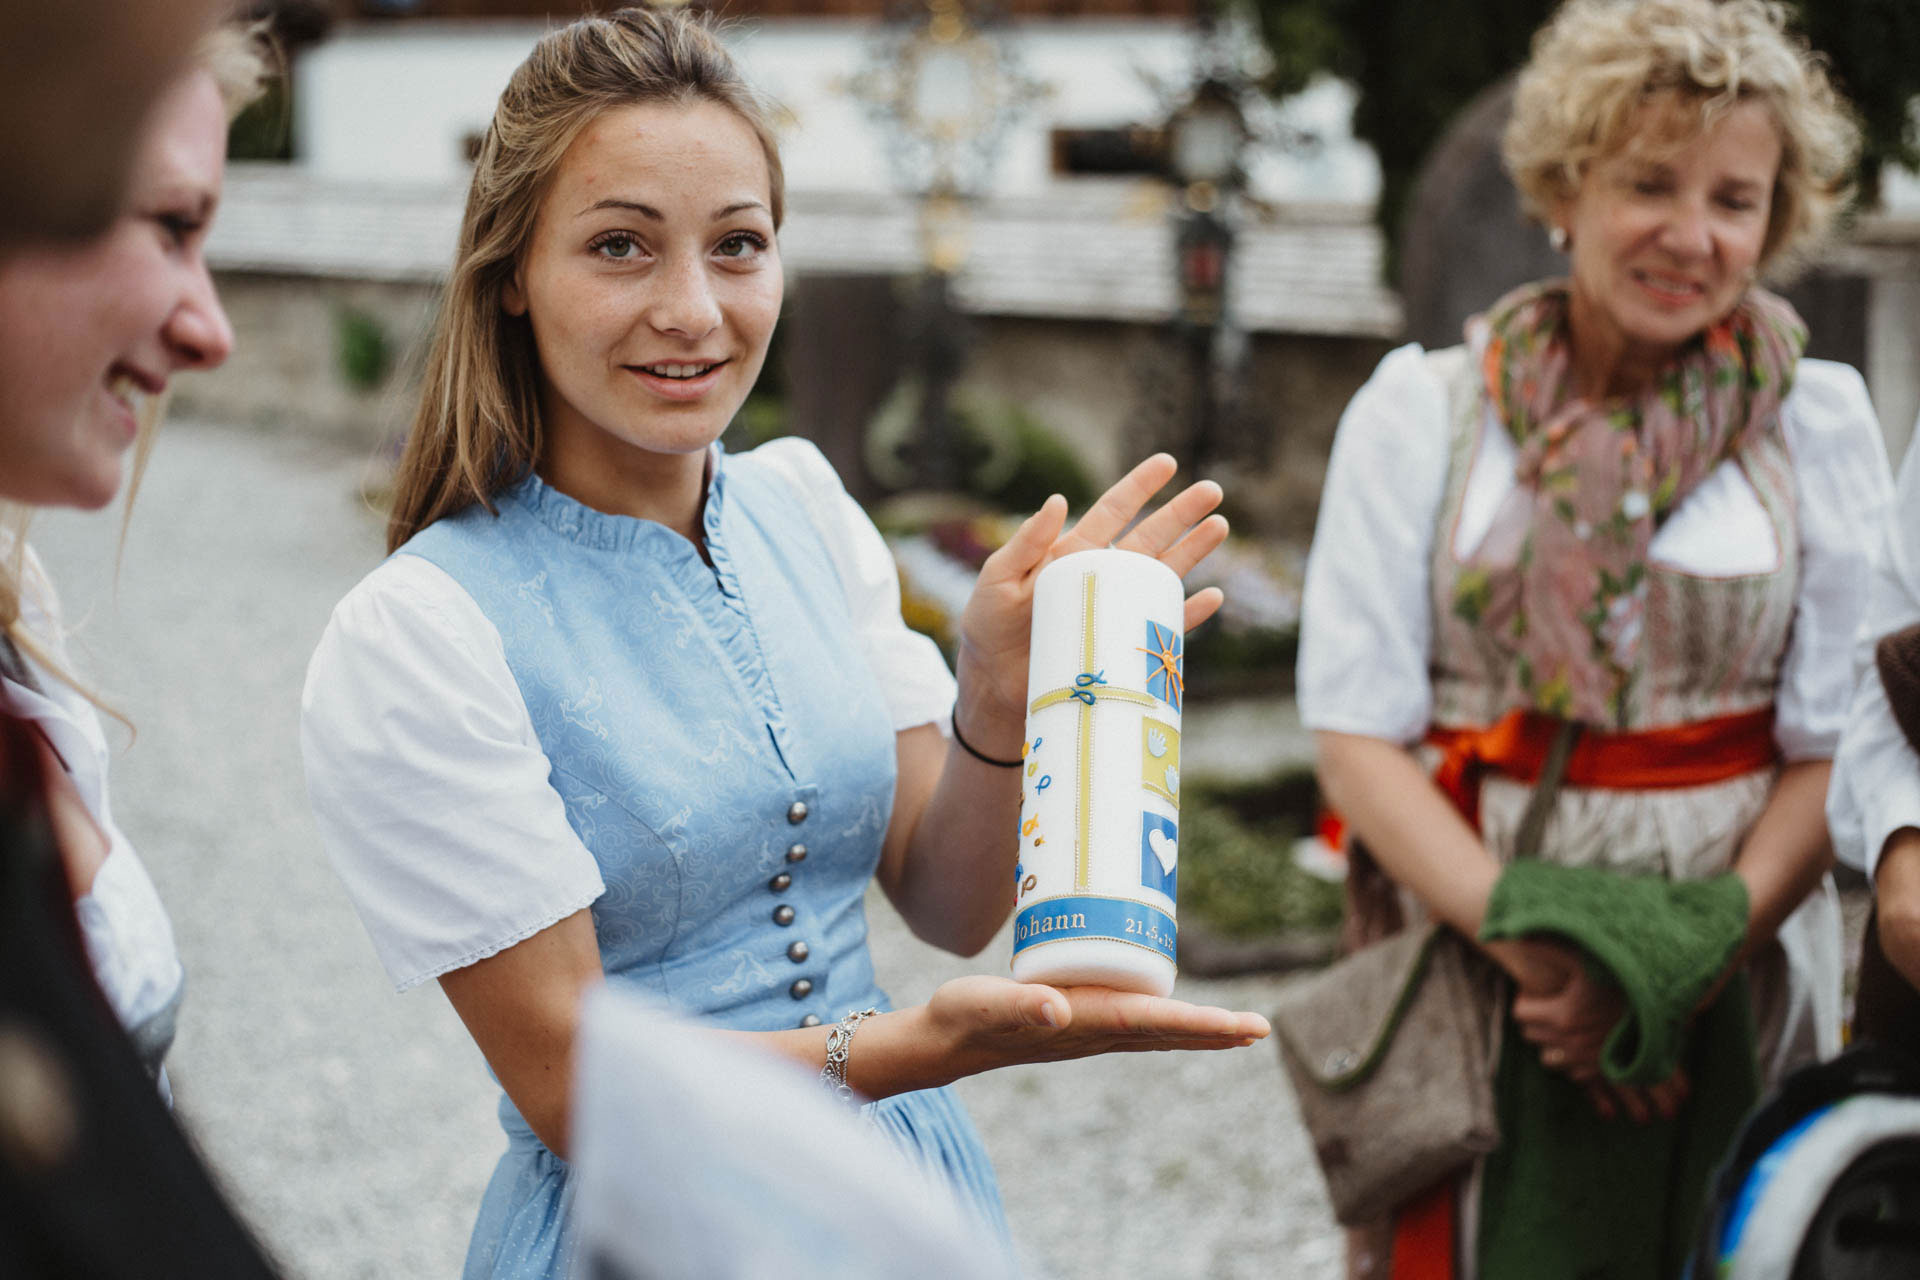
833,1076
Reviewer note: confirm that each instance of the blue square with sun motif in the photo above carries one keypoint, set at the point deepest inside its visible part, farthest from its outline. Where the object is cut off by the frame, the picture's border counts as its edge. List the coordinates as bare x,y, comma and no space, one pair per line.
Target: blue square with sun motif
1159,853
1166,674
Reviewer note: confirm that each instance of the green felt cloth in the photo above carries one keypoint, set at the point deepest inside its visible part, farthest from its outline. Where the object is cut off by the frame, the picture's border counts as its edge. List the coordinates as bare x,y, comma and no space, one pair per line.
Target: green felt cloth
1572,1196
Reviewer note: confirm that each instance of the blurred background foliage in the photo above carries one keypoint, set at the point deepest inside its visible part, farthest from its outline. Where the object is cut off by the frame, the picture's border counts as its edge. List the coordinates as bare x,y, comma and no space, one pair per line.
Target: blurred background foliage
361,348
1236,874
1417,63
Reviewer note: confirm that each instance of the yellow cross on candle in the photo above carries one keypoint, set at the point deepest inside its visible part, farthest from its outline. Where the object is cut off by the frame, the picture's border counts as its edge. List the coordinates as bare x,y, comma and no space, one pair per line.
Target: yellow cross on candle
1087,688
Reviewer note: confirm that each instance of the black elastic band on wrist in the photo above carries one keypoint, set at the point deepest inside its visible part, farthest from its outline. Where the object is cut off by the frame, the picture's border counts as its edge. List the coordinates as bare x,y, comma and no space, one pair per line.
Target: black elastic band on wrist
953,718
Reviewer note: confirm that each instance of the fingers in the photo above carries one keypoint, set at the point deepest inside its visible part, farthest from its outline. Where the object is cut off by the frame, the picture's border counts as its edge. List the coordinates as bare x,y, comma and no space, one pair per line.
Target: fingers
1149,1017
1537,968
1614,1101
1022,553
1558,1015
1175,522
1534,1010
1181,1046
1639,1105
1546,1023
1576,1055
1194,544
1203,604
1119,505
1670,1095
1043,1006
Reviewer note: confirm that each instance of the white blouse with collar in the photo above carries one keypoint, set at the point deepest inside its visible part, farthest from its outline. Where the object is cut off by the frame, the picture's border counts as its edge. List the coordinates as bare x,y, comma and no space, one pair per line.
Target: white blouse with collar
128,936
1366,615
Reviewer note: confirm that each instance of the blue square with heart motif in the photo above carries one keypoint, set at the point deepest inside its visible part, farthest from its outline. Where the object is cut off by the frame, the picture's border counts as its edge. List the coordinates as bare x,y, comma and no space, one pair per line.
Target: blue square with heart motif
1159,852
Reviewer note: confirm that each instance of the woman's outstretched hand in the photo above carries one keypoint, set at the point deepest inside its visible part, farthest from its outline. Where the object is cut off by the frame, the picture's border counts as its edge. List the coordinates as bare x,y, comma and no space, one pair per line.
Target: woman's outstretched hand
996,626
987,1022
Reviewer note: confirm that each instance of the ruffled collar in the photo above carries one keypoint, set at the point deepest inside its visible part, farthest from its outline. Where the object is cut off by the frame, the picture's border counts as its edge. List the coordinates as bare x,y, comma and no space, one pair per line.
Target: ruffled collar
577,522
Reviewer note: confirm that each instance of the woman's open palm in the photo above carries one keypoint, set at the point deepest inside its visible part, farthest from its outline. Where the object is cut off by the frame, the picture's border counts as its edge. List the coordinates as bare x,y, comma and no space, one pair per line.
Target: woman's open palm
997,1022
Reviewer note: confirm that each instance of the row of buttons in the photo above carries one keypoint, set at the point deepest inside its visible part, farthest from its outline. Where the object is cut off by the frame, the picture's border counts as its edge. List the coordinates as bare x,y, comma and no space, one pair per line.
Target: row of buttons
783,915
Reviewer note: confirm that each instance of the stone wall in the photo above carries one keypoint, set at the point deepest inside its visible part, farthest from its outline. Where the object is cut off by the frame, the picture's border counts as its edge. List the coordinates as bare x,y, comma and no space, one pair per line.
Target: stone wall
287,372
1116,392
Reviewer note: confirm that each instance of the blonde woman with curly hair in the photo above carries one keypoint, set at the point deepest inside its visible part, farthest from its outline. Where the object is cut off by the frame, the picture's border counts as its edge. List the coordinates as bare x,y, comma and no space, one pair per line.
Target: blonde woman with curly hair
625,707
1626,517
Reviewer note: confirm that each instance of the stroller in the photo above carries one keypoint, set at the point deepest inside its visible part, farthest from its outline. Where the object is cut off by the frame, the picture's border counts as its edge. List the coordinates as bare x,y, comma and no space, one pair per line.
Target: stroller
1823,1182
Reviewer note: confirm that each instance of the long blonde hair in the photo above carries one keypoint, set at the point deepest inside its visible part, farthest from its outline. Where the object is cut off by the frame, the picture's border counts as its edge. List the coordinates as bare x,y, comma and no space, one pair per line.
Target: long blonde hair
241,58
478,427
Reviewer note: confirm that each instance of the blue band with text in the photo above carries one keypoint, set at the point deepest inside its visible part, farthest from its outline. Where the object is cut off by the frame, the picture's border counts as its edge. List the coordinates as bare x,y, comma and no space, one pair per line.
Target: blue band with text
1116,919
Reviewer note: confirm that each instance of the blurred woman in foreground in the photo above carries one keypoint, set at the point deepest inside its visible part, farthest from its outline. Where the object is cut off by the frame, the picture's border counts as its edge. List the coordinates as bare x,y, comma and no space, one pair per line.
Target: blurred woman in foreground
90,335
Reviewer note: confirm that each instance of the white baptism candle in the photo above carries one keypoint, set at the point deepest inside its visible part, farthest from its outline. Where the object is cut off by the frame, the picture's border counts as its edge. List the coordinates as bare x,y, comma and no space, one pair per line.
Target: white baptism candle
1100,773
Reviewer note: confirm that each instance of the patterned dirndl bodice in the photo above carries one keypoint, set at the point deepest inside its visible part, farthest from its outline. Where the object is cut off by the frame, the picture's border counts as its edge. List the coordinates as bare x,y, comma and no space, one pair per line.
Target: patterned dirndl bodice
1715,646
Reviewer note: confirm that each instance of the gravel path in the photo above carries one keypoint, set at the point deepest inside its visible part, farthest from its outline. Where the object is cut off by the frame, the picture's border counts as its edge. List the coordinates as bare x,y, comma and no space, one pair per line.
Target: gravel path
355,1127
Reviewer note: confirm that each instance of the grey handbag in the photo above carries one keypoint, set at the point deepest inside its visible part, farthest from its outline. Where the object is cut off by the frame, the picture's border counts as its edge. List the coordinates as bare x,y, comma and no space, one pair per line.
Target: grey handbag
1390,1051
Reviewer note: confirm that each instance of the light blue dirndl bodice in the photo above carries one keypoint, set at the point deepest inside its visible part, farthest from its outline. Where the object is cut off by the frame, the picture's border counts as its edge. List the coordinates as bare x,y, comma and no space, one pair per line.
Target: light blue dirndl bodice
725,753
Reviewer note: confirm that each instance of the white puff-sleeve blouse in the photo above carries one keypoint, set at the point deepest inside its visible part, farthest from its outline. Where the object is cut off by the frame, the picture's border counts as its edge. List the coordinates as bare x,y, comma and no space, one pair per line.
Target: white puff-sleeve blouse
411,721
1366,612
1876,774
128,936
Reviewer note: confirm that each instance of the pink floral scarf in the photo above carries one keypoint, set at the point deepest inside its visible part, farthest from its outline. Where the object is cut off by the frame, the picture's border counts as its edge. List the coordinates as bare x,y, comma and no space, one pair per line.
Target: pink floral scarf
1560,579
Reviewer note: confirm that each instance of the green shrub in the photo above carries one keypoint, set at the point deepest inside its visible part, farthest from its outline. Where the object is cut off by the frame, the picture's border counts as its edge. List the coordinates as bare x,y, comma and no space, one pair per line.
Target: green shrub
361,349
1237,873
1042,463
1003,454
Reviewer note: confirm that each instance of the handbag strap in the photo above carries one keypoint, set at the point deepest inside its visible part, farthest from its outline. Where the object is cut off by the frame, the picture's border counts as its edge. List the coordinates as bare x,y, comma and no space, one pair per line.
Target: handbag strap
1533,823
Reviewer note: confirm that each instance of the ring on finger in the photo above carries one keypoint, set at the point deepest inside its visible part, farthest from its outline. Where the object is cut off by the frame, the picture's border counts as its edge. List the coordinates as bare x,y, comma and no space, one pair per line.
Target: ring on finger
1553,1057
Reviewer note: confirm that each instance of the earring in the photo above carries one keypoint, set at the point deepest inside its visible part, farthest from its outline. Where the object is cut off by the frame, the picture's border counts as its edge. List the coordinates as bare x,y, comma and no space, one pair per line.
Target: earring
1557,237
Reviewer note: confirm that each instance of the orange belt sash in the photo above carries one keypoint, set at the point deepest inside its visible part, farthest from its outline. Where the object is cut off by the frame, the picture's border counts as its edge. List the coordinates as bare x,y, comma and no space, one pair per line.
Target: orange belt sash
1685,755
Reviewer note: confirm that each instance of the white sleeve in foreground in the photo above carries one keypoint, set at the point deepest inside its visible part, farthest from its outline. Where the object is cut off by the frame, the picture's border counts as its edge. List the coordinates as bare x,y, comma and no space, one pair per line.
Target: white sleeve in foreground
429,786
1843,487
1366,619
912,673
128,937
654,1092
1876,773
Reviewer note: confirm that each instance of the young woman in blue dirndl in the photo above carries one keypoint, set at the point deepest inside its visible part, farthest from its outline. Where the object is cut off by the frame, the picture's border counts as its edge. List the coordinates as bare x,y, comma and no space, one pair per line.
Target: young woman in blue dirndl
624,705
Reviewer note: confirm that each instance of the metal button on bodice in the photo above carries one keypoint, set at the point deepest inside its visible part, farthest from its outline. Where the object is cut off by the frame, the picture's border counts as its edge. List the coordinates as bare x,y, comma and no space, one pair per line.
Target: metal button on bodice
798,952
801,988
783,914
780,883
797,853
797,812
811,1020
